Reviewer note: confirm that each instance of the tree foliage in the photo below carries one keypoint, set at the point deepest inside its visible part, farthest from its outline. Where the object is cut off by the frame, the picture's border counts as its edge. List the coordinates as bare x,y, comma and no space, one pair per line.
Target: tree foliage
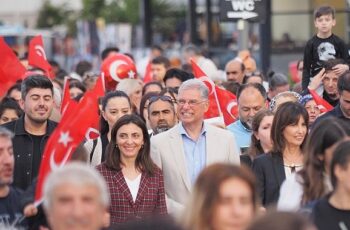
50,15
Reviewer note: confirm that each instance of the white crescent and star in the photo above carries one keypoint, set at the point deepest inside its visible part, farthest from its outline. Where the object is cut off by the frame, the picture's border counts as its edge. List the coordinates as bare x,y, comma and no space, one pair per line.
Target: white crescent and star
207,79
65,138
229,107
113,69
40,51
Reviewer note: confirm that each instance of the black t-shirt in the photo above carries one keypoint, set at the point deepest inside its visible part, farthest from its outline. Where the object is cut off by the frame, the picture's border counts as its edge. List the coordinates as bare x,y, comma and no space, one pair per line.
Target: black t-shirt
319,50
10,208
327,217
36,154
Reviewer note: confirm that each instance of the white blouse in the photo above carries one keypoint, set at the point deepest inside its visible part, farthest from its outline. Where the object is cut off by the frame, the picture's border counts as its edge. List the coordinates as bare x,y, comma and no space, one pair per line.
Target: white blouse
134,186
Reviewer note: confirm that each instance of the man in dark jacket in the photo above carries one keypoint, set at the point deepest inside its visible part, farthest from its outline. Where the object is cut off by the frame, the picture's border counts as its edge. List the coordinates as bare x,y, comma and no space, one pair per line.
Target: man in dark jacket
33,129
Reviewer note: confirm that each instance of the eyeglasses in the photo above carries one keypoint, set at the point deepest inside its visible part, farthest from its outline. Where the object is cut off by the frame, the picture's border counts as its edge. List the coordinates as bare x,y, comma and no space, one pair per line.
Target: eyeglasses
163,98
191,103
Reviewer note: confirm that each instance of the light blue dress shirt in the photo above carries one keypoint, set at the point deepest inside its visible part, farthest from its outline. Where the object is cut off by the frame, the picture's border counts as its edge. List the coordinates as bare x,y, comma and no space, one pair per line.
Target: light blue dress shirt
242,135
195,152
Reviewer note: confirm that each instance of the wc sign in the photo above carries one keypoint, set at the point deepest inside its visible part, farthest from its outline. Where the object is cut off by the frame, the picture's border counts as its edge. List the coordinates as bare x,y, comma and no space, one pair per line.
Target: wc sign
251,10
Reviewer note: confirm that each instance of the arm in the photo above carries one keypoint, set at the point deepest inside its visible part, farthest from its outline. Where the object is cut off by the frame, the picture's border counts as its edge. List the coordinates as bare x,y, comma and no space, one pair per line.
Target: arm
317,80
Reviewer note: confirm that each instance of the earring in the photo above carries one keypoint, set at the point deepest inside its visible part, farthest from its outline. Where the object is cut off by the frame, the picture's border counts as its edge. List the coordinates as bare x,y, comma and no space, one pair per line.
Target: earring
116,146
141,146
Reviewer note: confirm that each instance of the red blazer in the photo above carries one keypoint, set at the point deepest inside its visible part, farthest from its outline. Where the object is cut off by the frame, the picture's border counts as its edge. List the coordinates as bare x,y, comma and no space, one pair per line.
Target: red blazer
150,197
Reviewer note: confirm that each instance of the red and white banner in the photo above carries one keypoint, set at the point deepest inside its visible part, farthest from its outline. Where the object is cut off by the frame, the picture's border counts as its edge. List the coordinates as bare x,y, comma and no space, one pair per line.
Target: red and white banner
222,103
11,69
36,55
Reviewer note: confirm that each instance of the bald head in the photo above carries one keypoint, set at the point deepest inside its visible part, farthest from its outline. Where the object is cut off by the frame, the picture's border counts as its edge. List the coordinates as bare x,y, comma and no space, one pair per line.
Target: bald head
234,71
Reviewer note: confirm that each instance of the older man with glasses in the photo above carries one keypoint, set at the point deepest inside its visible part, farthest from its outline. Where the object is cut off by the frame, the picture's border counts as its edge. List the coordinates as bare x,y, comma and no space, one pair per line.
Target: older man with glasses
183,151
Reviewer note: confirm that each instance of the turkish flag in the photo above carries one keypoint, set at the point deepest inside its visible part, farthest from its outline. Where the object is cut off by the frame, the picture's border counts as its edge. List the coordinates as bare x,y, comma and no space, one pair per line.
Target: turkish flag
221,102
148,73
323,105
214,110
36,55
69,133
98,91
11,69
66,96
228,105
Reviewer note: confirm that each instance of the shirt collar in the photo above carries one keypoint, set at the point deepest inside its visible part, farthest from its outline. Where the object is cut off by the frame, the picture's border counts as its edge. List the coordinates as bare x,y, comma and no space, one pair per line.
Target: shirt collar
243,126
183,130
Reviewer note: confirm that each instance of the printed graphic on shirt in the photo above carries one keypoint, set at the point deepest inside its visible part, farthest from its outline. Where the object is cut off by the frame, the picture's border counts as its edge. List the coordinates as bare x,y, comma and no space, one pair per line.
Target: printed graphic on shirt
326,51
9,220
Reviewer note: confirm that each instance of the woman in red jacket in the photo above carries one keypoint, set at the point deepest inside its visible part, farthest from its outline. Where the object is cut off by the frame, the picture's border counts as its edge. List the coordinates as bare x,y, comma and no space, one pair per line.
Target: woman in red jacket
135,183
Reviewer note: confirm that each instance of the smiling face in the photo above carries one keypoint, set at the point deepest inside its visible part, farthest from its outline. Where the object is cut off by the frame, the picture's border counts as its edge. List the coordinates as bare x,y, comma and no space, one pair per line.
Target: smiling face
129,140
191,106
235,208
38,105
294,134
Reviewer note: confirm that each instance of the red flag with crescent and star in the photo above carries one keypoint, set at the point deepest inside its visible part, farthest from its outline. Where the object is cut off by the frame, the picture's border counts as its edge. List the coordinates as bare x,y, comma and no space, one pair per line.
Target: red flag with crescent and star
221,102
36,55
69,133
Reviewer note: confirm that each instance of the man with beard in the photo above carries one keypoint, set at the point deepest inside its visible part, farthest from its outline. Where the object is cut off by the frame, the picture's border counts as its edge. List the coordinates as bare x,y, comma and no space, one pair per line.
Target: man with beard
33,129
161,114
10,209
251,99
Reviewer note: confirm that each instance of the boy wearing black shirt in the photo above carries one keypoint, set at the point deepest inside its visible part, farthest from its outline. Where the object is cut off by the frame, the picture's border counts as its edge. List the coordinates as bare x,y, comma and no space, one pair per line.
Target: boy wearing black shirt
323,46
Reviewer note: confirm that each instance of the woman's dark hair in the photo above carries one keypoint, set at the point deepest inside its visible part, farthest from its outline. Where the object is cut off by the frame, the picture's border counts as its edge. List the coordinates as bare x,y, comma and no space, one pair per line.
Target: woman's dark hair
341,158
143,102
16,86
255,147
77,84
288,113
144,88
143,161
104,127
180,74
172,91
324,135
9,103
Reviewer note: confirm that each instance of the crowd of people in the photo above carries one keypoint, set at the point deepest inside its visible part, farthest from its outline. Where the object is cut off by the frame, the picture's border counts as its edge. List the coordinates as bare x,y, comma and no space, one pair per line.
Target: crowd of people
157,163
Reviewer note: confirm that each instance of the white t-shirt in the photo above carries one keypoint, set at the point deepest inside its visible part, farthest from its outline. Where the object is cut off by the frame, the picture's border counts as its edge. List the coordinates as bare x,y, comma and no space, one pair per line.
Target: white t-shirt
134,186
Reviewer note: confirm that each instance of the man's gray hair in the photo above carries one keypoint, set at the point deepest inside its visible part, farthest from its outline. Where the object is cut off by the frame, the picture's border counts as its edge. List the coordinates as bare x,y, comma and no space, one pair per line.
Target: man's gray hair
6,133
78,174
195,84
